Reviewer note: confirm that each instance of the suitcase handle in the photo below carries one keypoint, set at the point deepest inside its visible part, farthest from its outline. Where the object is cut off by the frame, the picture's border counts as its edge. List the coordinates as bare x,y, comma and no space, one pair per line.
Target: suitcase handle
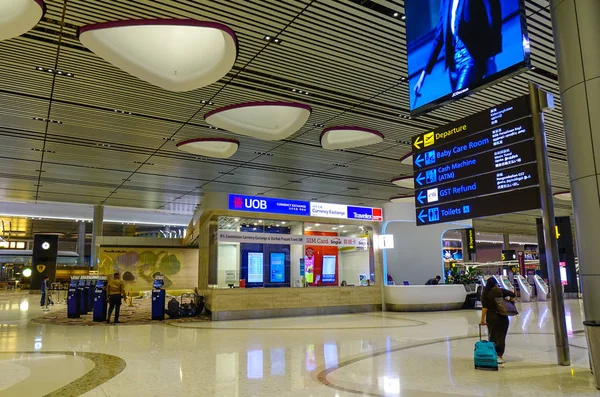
480,338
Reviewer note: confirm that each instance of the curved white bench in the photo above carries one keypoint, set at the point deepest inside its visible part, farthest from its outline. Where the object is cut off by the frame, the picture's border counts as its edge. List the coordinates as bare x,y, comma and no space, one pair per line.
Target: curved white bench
407,298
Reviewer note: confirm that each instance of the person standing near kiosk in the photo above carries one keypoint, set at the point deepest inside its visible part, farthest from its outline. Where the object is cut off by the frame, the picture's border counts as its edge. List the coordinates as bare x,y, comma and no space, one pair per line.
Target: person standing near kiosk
115,292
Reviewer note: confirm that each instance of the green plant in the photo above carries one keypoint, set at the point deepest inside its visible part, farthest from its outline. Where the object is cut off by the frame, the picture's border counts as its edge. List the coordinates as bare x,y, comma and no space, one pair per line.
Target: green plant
468,276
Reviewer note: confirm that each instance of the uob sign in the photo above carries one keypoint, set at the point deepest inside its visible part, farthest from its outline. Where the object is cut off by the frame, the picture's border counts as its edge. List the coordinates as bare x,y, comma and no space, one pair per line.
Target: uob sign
255,204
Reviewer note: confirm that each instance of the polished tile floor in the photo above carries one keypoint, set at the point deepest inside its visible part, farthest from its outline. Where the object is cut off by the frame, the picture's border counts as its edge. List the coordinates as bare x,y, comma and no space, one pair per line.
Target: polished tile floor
375,354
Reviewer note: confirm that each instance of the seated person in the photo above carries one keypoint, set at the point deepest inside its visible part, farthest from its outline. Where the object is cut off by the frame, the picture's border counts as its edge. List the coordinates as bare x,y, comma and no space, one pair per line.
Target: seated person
433,281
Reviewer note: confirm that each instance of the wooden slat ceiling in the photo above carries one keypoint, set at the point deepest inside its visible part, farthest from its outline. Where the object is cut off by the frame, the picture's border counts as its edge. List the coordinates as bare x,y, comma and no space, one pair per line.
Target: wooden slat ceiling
348,54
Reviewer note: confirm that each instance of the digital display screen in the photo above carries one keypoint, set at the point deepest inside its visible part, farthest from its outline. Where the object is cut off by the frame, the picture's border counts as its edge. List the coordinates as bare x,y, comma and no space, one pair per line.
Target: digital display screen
455,47
82,282
74,283
329,268
255,267
100,284
158,283
277,267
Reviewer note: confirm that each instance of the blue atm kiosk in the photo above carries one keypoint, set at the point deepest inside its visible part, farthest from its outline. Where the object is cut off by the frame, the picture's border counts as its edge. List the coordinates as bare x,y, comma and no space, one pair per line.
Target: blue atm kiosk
158,298
84,295
74,298
92,284
99,306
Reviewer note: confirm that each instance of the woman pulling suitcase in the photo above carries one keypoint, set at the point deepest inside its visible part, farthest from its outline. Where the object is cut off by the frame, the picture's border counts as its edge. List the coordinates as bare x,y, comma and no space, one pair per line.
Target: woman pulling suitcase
490,315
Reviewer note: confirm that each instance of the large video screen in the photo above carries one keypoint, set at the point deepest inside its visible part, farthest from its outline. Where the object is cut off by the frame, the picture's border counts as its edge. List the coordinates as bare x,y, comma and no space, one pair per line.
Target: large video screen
456,47
329,268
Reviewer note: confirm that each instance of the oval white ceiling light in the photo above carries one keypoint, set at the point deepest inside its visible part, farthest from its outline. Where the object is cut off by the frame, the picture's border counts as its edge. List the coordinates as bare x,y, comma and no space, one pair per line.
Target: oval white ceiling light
344,137
405,181
270,121
174,54
220,148
564,196
19,16
403,199
407,159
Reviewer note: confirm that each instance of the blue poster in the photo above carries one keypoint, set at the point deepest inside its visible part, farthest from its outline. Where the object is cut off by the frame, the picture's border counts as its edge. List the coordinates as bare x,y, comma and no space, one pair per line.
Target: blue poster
277,267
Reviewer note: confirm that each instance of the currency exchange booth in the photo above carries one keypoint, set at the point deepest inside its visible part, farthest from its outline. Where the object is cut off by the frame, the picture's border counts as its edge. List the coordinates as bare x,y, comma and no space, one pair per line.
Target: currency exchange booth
268,257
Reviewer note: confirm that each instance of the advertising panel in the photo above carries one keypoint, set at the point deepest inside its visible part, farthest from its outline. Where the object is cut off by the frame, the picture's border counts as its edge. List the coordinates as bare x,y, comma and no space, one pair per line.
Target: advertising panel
329,268
456,47
255,267
277,267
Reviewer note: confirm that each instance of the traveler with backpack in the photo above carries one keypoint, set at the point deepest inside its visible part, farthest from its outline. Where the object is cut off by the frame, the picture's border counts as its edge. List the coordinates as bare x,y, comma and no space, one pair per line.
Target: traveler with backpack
490,315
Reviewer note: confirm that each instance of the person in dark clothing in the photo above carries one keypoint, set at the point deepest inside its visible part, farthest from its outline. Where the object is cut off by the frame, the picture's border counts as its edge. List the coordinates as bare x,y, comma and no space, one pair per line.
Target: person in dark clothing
44,291
470,32
115,293
490,316
433,281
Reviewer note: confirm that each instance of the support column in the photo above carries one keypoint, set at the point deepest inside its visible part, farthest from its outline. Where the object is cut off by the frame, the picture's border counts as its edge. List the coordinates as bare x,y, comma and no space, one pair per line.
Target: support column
81,243
576,32
96,232
505,241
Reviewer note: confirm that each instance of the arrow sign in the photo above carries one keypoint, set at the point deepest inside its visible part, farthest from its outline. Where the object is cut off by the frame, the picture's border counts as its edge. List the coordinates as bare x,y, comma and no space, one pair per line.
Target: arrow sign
418,142
419,160
422,196
420,179
422,216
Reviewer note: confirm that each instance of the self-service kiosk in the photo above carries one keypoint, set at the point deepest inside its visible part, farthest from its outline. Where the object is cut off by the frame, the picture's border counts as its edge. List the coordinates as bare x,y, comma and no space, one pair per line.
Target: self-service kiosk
525,288
84,295
158,298
541,288
74,298
99,306
504,282
92,284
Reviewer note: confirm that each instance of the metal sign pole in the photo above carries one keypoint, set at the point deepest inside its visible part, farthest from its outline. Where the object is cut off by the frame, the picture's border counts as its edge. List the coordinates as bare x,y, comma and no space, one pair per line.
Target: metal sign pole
549,226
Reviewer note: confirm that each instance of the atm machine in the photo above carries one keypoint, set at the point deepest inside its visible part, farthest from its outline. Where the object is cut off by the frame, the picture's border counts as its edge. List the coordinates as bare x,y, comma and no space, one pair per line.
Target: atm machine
74,298
99,303
158,298
92,284
525,288
541,287
84,295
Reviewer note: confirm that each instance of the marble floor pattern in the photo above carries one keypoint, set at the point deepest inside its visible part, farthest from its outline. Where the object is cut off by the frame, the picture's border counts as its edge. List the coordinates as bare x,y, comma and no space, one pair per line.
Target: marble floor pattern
372,354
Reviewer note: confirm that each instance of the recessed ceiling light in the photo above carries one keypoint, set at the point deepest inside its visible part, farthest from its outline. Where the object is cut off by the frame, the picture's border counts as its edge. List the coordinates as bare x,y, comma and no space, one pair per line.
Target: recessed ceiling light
317,224
122,111
272,39
236,219
403,17
259,221
283,223
396,14
277,225
205,102
320,125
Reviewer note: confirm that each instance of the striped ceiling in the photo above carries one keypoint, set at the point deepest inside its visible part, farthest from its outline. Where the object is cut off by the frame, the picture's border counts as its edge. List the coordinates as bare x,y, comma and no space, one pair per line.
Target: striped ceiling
114,138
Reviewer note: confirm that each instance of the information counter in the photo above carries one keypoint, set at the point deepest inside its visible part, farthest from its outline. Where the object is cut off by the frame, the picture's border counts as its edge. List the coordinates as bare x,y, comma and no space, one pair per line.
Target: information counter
413,298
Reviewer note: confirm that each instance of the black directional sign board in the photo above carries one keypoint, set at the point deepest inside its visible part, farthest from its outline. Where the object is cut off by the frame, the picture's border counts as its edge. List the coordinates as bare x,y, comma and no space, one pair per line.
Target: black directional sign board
498,115
490,183
467,169
513,201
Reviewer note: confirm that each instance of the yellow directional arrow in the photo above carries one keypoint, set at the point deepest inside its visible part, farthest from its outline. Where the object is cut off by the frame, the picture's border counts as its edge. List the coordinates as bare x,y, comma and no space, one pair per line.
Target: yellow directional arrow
418,142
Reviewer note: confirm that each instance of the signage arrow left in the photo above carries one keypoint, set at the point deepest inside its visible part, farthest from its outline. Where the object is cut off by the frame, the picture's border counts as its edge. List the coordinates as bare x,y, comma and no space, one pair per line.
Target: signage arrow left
419,160
422,216
421,197
418,142
420,178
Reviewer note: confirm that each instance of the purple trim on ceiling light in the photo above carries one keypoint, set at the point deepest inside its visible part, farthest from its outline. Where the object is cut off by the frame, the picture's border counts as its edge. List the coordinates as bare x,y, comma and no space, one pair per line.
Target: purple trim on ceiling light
402,197
159,21
402,178
196,140
42,6
407,155
336,128
259,103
